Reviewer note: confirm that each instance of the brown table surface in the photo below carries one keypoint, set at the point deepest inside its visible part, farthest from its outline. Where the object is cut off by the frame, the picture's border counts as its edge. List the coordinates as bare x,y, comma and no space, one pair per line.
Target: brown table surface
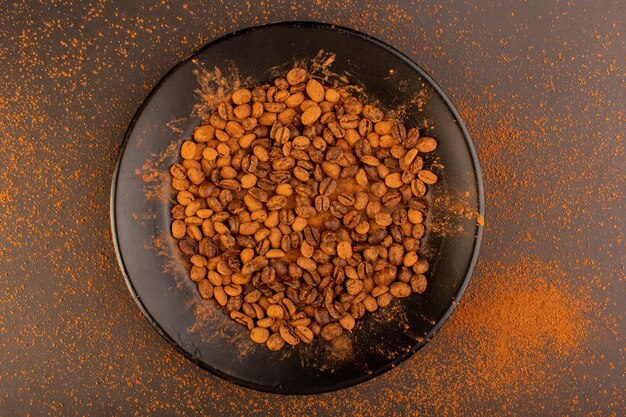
541,86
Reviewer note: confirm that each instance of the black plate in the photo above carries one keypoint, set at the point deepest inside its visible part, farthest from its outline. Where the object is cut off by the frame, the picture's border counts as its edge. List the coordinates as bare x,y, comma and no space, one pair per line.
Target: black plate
141,198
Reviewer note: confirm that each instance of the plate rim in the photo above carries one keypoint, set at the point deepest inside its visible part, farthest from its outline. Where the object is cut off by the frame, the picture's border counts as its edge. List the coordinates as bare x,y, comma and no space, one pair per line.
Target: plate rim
477,239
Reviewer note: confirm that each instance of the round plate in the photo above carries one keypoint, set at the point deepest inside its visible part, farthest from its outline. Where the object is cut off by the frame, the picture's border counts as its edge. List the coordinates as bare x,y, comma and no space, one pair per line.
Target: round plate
155,271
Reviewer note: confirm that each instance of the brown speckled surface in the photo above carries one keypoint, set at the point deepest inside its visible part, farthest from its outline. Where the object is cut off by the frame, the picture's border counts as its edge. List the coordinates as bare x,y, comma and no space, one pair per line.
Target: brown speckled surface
541,90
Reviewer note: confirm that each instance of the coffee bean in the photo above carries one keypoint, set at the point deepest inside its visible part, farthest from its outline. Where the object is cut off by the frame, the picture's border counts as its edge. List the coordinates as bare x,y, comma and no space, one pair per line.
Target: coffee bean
383,219
296,76
415,216
289,335
354,286
275,311
385,276
307,264
315,90
346,199
327,186
384,300
310,115
400,289
344,250
304,333
259,334
330,169
331,331
427,177
277,202
396,254
179,229
426,144
372,113
394,180
243,319
370,160
275,342
337,209
391,199
418,283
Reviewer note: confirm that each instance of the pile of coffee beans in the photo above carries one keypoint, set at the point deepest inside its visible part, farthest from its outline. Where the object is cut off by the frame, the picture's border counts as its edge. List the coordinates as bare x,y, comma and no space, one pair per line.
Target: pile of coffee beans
301,209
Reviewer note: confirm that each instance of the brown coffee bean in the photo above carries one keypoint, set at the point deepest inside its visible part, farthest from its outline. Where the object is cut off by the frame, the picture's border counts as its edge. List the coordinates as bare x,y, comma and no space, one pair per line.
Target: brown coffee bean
370,160
384,300
276,312
275,342
332,95
394,180
352,106
188,149
307,264
220,296
410,259
354,286
241,96
400,289
178,171
311,115
315,90
379,289
243,319
346,199
254,265
178,212
370,303
259,334
344,250
331,331
421,266
338,210
248,180
385,276
396,254
331,169
418,283
277,202
378,189
179,229
426,144
383,219
391,199
296,76
327,186
334,153
304,333
427,177
253,296
289,335
249,228
205,288
349,121
352,219
306,249
415,216
418,188
399,216
372,113
347,322
266,322
322,203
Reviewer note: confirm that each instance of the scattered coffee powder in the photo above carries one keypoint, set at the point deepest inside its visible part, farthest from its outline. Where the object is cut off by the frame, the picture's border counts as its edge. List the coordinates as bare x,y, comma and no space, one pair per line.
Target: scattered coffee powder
301,209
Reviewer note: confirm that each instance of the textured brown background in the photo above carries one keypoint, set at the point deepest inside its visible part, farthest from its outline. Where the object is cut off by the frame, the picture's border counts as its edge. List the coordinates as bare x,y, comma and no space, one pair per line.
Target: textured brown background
542,91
